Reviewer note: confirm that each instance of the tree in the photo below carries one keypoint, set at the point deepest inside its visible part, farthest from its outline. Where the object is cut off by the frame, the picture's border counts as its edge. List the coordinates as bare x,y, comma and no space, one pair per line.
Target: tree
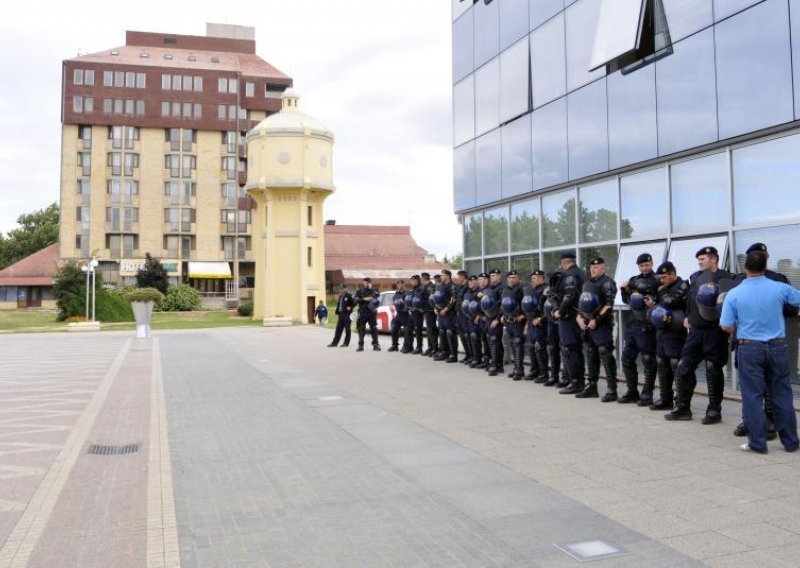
456,261
37,230
152,275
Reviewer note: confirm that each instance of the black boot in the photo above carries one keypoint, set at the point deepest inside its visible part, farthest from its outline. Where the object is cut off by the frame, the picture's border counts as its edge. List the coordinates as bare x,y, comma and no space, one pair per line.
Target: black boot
650,365
540,353
477,351
631,381
567,375
684,382
665,378
512,350
577,381
519,357
466,343
589,391
452,339
610,368
493,369
554,356
715,379
376,346
592,356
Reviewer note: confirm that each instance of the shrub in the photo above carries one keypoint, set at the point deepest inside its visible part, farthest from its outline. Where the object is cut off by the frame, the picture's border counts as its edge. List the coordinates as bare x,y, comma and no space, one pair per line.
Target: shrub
144,295
181,298
112,307
152,275
69,289
245,309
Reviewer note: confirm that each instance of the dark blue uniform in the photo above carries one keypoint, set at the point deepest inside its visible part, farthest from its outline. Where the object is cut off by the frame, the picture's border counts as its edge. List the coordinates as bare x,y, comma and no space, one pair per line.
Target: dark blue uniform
569,334
401,321
640,339
366,316
599,342
445,312
430,320
537,334
344,308
494,329
670,341
514,325
463,297
552,300
414,329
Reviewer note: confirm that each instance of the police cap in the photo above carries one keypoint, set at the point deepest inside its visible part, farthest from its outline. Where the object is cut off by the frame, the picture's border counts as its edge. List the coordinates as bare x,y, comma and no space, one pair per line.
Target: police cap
644,257
483,275
473,277
463,273
537,273
597,260
366,279
495,271
568,254
707,250
757,246
665,268
512,273
415,277
426,275
445,271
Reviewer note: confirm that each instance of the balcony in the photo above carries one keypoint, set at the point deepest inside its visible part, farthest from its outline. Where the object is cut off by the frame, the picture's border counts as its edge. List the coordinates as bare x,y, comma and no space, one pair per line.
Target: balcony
230,228
179,228
244,255
117,227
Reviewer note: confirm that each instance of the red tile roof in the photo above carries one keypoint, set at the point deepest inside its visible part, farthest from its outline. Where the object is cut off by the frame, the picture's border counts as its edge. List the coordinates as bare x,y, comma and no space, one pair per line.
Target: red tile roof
37,269
353,247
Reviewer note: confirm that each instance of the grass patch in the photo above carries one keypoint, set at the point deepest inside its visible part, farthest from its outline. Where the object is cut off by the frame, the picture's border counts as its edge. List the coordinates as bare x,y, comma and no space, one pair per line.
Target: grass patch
23,320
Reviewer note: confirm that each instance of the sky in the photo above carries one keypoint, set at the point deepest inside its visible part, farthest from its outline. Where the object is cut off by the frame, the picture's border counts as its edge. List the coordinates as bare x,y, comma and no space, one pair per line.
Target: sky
376,72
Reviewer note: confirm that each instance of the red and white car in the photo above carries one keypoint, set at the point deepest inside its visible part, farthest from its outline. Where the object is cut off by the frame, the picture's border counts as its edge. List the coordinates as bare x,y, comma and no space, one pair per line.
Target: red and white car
386,312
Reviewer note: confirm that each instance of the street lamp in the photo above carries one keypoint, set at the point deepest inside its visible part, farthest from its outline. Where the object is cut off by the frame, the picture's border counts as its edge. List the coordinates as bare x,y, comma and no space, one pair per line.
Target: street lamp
90,269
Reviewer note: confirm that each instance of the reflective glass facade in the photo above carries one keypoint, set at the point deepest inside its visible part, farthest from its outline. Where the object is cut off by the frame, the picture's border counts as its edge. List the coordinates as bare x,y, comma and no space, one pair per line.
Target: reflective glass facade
699,142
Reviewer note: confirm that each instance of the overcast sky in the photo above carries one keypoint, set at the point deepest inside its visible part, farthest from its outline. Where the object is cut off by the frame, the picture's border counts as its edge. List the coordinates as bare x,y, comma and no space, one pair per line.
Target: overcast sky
377,72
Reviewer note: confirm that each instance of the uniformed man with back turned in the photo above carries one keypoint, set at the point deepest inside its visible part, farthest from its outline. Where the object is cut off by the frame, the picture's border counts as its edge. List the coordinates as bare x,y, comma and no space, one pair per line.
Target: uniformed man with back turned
569,334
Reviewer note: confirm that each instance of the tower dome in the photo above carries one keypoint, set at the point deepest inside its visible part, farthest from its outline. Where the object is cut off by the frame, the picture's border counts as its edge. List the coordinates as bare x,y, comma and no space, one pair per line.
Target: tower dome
290,120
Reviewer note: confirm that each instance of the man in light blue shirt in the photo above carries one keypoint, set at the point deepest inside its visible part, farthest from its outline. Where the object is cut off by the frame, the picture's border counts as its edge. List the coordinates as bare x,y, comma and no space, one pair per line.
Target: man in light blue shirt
754,309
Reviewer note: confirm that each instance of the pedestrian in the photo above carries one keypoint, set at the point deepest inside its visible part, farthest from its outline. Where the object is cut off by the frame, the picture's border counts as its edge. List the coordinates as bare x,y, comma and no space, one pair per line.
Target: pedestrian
344,309
321,313
754,310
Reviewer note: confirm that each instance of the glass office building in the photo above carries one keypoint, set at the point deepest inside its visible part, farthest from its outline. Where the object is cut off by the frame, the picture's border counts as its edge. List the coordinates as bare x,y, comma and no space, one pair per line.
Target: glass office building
617,127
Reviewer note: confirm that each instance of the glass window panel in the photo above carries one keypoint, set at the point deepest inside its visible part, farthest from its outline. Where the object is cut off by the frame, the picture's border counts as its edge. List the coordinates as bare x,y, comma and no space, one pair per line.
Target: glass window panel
686,95
700,195
513,21
606,252
587,130
473,235
516,156
794,10
632,117
514,81
644,201
473,266
525,225
459,7
684,17
581,24
487,167
549,144
681,253
548,63
543,10
766,178
495,230
551,261
463,46
753,51
558,219
487,97
464,176
487,31
500,263
617,30
626,261
463,111
525,264
598,210
725,8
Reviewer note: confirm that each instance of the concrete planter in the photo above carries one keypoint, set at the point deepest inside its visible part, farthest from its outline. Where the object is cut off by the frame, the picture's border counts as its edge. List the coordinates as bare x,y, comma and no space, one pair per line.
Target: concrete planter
84,326
143,312
276,322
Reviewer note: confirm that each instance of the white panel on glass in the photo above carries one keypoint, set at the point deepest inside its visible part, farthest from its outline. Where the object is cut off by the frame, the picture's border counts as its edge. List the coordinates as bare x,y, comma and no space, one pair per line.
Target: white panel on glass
626,263
619,28
681,253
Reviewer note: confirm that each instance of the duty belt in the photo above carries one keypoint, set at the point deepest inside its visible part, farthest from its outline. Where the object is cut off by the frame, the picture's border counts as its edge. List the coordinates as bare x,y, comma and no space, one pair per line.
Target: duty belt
775,341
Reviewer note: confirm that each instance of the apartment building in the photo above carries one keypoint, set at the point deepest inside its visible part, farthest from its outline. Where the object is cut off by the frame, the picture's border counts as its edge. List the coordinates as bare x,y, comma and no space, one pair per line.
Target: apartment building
153,155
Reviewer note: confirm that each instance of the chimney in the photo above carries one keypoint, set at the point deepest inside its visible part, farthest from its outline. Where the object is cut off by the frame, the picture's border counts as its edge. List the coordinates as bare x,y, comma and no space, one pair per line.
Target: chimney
330,222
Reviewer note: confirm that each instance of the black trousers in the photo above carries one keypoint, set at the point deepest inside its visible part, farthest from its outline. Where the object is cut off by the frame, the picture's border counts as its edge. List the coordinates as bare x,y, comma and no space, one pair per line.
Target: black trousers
343,324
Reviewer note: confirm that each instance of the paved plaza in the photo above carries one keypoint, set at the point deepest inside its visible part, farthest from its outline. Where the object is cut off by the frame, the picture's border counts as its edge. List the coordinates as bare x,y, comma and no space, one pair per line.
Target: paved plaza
262,447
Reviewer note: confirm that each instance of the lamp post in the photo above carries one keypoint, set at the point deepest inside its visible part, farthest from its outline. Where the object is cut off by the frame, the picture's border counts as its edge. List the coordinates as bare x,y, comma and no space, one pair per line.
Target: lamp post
90,269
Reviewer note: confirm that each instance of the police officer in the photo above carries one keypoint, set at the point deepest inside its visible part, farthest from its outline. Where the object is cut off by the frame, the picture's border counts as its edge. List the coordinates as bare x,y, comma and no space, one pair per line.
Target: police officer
367,300
788,312
536,326
705,340
463,297
640,338
553,341
490,304
596,320
414,301
569,291
475,326
401,318
514,321
482,350
428,288
444,301
344,308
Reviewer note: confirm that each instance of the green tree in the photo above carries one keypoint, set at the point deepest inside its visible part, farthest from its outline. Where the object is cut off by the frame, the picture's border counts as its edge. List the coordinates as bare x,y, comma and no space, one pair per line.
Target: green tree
69,289
456,261
152,275
37,230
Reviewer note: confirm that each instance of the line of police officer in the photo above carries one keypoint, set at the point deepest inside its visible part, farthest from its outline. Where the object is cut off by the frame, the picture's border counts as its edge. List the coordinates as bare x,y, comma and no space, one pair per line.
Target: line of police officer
567,325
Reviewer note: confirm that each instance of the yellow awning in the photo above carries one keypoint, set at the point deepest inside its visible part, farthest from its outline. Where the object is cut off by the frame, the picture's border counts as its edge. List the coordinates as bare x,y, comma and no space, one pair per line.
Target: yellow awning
209,270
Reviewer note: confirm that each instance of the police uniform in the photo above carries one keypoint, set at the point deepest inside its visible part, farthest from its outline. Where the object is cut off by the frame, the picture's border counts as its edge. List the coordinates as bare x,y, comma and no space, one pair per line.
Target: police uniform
705,341
476,333
463,297
513,319
444,302
667,318
414,300
401,319
640,337
569,334
367,300
490,305
596,304
431,329
533,308
344,308
557,378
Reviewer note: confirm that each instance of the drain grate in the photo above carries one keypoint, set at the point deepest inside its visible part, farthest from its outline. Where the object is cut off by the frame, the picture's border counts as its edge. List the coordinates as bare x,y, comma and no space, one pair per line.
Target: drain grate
102,450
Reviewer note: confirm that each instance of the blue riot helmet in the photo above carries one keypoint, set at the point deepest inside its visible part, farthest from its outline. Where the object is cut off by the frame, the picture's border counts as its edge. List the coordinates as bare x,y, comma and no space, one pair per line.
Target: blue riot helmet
465,306
408,299
416,303
439,299
706,300
400,303
548,308
666,319
638,307
509,306
374,304
474,307
529,305
588,303
489,305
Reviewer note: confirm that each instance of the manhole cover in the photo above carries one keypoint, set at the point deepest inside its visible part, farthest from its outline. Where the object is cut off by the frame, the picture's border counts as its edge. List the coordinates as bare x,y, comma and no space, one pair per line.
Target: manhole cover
102,450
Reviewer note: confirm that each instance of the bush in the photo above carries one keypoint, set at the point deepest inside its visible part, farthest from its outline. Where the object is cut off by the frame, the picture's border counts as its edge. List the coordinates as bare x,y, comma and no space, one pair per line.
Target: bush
181,298
245,309
152,275
69,289
112,307
144,295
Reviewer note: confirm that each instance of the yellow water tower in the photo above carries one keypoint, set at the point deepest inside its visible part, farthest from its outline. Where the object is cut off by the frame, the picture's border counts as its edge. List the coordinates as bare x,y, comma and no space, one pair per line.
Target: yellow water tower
289,174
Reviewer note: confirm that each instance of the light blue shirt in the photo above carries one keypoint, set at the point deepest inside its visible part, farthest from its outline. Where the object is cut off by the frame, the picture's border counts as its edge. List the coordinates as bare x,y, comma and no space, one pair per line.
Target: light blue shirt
755,308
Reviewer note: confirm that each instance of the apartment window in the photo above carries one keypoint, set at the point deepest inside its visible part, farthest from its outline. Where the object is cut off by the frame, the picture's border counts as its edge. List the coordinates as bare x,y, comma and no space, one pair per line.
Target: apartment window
176,82
113,189
107,106
188,216
88,105
85,134
114,161
244,219
88,77
176,109
172,190
221,111
108,79
189,164
113,243
79,242
249,89
233,86
229,166
172,162
131,188
310,211
229,140
198,84
85,162
187,110
173,136
129,107
189,191
273,91
198,111
83,187
77,77
165,105
166,82
139,108
231,112
82,214
131,162
141,80
128,245
172,218
130,79
77,103
309,256
119,78
112,217
118,105
131,134
187,246
222,85
229,193
172,244
187,83
115,135
188,137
